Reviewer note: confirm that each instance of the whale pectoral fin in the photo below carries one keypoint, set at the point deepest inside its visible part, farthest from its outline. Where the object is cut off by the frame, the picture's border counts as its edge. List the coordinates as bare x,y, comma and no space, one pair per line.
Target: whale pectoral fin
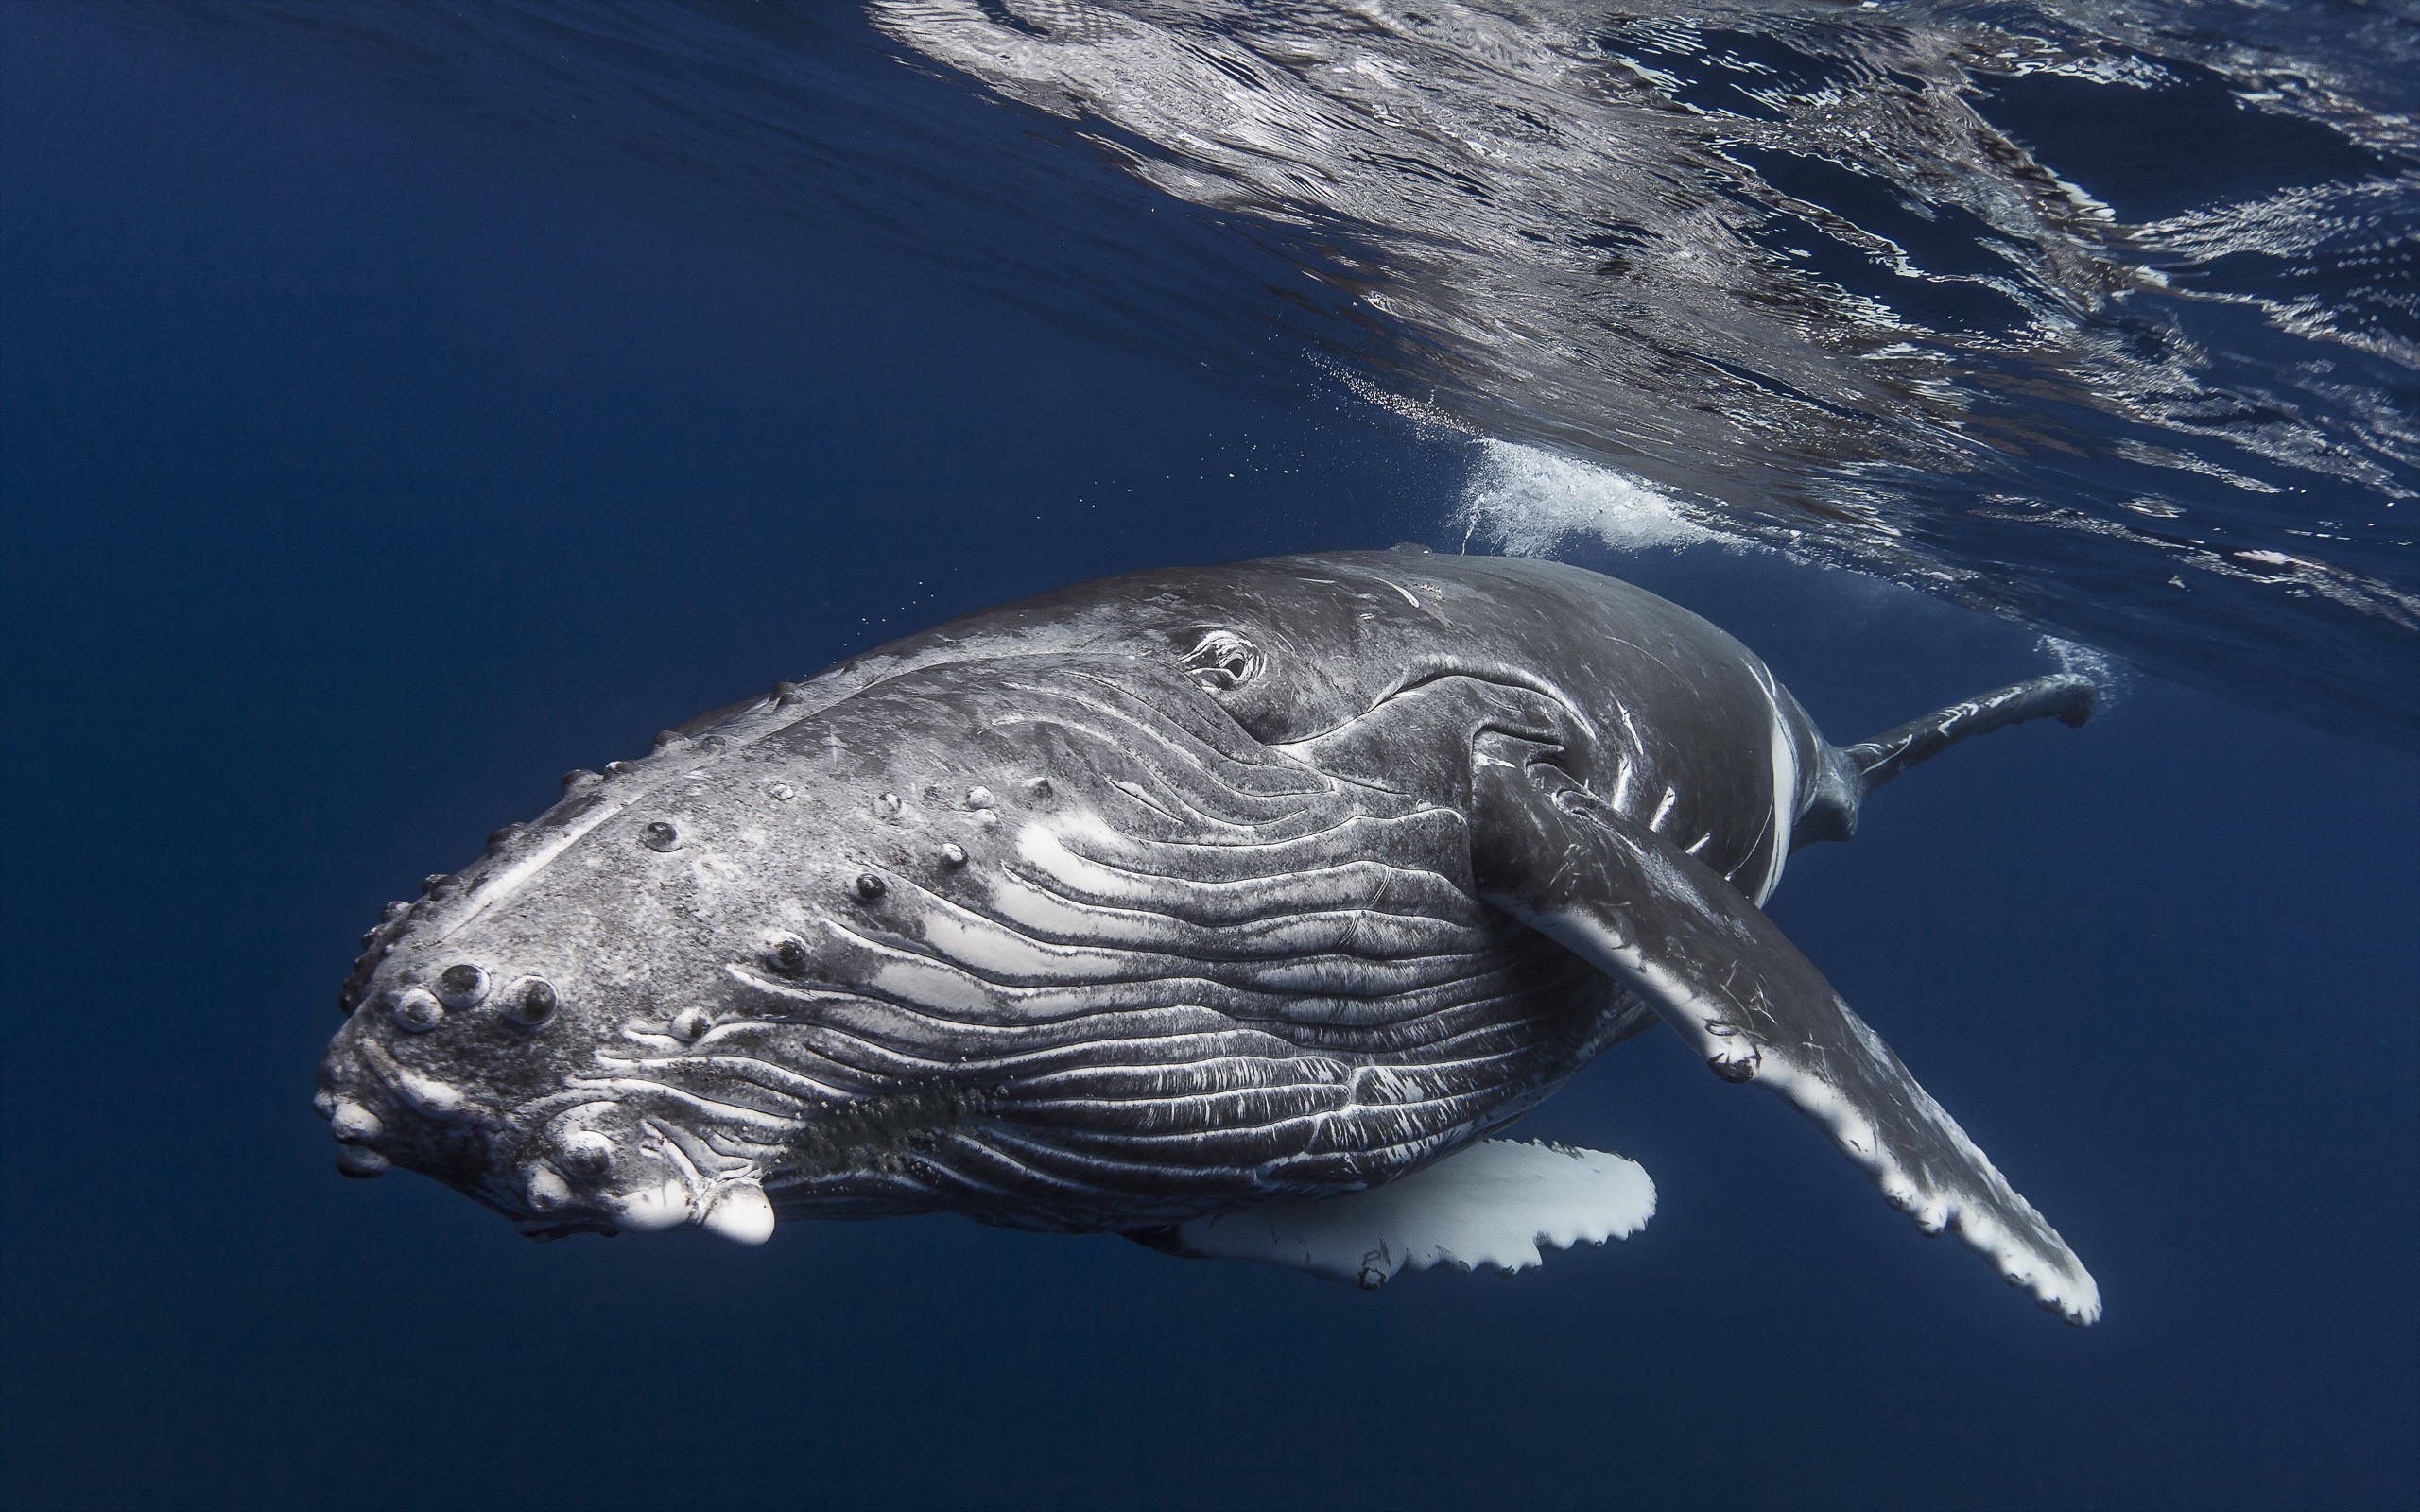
1493,1206
1716,970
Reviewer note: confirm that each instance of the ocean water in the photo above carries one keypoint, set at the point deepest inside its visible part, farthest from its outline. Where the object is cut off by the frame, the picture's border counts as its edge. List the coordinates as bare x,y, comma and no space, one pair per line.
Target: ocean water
402,404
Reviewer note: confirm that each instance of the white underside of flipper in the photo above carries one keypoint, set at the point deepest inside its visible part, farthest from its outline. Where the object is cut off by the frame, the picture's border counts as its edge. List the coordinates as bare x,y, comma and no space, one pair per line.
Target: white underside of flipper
1495,1205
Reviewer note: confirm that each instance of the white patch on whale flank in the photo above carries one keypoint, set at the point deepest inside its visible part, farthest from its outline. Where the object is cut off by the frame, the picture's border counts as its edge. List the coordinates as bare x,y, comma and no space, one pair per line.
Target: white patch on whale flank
1495,1204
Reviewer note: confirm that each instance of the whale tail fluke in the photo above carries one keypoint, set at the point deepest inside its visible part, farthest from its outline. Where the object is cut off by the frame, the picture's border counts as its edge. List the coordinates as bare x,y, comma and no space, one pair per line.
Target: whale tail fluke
1858,770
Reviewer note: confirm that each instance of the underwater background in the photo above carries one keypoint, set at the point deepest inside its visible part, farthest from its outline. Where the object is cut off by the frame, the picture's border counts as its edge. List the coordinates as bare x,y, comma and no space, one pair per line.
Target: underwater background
403,404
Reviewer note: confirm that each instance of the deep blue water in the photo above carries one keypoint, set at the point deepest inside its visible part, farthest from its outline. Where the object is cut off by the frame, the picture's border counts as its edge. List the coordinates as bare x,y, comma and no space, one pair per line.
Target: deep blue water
377,444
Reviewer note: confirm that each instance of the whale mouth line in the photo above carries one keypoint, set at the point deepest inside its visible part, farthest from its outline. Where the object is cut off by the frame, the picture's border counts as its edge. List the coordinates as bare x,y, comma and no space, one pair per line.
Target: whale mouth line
441,1101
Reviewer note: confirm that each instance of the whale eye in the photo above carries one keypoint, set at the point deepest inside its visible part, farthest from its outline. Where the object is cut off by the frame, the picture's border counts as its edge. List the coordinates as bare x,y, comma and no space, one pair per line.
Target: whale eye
1223,660
787,955
534,1004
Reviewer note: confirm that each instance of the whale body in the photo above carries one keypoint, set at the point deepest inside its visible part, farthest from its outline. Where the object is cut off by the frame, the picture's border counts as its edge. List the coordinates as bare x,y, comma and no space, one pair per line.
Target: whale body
1231,909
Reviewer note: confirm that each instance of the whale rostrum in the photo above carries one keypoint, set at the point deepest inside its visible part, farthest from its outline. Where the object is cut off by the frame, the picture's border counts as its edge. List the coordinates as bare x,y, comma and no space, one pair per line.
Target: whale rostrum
1231,909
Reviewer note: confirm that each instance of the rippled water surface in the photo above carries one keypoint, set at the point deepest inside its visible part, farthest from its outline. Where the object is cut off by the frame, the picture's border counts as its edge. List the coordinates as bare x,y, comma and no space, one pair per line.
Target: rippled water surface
2102,315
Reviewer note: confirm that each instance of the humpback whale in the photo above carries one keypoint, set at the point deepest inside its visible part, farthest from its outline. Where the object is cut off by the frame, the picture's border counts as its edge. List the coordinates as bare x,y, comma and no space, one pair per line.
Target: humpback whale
1232,909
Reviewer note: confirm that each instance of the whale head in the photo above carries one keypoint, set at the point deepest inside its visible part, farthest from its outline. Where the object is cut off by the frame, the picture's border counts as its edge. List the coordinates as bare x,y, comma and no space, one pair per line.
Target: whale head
817,961
523,1038
633,1014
